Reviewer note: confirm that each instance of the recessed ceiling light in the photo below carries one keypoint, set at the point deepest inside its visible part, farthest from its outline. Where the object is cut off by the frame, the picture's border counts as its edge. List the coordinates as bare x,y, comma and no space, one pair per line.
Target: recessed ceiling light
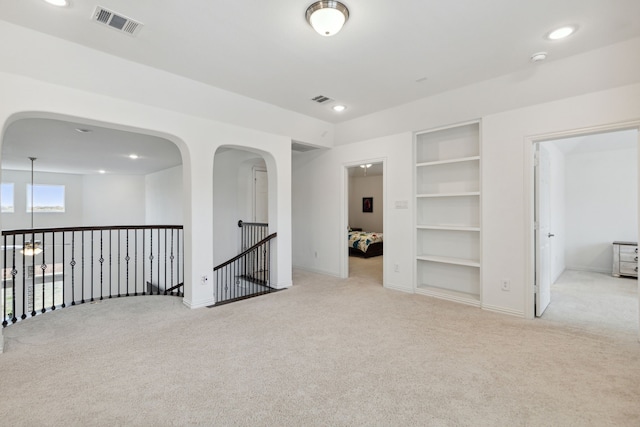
339,108
133,156
561,33
539,56
102,171
83,130
59,3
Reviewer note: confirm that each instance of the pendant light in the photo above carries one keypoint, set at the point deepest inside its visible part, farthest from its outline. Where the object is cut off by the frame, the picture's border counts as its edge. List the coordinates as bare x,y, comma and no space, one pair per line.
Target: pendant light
327,17
31,247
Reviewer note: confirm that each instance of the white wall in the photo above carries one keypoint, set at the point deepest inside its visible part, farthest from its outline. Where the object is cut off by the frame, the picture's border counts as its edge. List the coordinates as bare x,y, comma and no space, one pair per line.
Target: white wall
602,206
366,186
20,219
113,200
320,203
164,202
557,222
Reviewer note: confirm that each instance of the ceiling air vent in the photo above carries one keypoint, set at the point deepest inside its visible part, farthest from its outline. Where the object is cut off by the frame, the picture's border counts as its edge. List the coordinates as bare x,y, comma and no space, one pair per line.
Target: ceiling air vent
116,21
321,99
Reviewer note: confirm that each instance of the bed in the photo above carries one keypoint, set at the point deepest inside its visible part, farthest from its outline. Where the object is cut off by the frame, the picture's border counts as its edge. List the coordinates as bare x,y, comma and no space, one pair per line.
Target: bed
365,244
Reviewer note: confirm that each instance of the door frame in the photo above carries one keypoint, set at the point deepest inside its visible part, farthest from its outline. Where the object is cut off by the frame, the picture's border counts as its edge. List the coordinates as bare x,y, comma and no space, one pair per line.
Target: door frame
255,169
344,208
529,198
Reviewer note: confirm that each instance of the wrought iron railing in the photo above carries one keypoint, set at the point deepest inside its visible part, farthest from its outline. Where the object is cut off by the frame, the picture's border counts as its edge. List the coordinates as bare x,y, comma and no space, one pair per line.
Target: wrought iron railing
246,275
51,268
251,233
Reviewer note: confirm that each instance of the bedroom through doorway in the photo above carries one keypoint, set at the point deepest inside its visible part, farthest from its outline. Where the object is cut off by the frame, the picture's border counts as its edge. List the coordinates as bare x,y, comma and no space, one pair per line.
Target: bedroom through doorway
365,236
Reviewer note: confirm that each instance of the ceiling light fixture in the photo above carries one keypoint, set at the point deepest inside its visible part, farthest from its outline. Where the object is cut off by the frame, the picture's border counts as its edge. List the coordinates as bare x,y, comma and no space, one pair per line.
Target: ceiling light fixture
133,156
327,17
83,130
339,108
31,247
539,56
59,3
561,33
102,171
365,167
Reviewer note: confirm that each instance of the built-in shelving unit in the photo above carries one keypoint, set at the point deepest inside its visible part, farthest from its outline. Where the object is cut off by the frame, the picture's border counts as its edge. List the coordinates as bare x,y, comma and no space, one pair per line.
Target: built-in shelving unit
448,223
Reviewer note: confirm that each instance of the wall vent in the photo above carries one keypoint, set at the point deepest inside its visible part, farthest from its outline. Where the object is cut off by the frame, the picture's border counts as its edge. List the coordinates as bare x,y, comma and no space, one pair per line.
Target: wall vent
321,99
116,21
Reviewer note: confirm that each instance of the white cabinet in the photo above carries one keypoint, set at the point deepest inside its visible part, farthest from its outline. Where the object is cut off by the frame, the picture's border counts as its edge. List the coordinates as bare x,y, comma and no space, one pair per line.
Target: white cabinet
448,223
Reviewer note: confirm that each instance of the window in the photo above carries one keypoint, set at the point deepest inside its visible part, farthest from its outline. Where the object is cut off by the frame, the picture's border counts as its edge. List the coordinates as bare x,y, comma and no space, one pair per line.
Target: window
46,198
6,192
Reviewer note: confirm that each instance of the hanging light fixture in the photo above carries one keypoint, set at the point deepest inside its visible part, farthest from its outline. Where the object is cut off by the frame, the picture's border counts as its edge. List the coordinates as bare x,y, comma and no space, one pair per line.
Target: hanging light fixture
365,167
327,17
31,247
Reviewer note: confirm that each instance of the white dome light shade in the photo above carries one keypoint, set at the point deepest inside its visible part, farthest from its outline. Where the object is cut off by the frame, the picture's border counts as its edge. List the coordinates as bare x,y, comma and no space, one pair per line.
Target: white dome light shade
327,17
339,108
59,3
561,33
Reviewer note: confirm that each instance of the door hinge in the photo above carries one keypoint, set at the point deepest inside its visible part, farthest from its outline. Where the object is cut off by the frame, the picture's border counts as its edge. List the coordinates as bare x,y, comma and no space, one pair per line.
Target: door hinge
535,225
535,289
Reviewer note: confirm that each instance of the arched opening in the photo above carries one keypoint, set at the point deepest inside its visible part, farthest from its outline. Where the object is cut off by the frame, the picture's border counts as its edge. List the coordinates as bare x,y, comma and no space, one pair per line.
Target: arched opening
244,202
89,211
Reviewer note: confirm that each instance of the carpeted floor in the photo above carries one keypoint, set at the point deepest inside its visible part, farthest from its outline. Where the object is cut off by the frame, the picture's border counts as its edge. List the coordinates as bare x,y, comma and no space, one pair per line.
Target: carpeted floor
326,352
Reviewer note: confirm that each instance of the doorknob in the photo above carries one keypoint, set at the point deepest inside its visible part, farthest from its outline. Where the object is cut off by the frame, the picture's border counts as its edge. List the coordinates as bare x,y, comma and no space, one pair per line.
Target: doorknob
550,235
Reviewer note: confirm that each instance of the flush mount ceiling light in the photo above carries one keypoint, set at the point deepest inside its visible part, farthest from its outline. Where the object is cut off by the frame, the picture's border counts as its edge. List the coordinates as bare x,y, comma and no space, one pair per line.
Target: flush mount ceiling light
365,167
339,108
561,33
133,156
59,3
537,57
327,17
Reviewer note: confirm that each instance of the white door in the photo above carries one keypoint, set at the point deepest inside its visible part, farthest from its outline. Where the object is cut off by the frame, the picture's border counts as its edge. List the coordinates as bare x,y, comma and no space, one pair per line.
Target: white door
543,233
260,196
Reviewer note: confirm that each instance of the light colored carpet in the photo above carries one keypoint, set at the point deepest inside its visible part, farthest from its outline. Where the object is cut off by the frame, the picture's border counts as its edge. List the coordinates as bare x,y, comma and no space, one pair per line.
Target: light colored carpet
594,302
327,352
368,269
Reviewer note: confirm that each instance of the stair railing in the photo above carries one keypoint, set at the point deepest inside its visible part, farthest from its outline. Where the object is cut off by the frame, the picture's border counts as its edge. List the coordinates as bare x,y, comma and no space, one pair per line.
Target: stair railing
52,268
245,275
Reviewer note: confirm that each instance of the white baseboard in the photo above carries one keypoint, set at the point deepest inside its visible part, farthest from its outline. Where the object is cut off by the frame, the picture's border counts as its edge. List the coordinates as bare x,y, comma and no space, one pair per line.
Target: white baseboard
200,304
589,269
503,310
317,271
399,288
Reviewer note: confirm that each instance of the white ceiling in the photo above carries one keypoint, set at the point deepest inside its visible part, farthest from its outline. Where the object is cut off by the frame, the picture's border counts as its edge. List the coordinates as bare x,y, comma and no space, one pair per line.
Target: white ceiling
266,50
60,148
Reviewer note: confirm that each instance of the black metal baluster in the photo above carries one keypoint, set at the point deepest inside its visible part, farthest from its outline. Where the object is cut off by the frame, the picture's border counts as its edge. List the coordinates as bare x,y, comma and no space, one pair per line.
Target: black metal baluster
43,267
119,244
151,259
53,275
165,260
110,263
171,258
159,259
135,261
92,276
4,283
14,272
126,258
101,260
73,268
64,293
178,266
82,268
144,262
33,276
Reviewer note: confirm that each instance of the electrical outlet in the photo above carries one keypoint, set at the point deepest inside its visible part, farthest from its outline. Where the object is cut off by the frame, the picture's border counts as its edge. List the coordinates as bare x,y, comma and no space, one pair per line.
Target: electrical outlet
506,285
203,280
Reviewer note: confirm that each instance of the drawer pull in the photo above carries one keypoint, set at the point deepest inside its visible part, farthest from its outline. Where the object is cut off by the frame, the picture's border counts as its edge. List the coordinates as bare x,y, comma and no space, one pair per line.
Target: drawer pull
636,250
636,269
636,258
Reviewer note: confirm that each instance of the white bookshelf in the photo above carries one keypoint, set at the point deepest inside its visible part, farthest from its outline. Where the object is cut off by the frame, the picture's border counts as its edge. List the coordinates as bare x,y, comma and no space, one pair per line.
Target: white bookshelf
448,223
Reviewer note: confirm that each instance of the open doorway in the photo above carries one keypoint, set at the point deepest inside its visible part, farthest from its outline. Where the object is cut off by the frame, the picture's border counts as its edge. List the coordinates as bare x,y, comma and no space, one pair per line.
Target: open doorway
365,239
586,198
